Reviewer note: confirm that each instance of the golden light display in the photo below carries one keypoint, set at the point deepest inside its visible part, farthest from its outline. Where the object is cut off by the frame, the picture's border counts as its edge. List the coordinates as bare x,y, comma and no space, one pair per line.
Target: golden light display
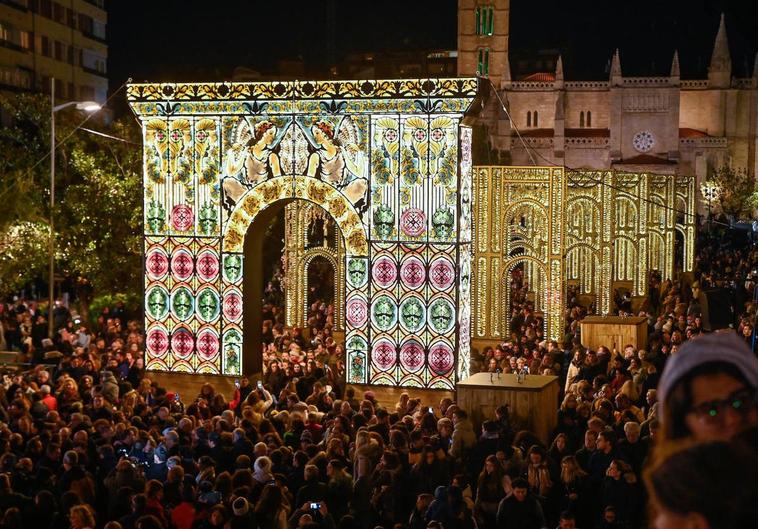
596,230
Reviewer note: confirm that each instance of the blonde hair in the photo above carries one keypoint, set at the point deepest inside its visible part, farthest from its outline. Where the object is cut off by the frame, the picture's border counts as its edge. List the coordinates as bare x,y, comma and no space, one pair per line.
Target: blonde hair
84,514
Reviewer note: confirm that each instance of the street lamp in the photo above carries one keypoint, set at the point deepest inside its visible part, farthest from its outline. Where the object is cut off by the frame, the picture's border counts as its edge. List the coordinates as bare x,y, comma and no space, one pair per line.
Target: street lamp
87,106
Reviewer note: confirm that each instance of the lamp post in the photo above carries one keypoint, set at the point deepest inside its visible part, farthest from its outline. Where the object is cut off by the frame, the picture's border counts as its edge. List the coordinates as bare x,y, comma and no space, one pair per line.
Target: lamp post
87,106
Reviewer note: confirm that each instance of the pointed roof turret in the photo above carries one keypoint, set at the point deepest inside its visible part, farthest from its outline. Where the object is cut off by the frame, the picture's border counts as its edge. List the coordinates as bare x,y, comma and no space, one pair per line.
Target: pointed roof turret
559,73
675,68
675,64
616,69
720,69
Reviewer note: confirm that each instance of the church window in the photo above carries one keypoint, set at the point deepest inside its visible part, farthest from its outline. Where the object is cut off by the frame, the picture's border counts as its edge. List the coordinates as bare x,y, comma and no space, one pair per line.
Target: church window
528,118
536,118
581,119
589,118
483,63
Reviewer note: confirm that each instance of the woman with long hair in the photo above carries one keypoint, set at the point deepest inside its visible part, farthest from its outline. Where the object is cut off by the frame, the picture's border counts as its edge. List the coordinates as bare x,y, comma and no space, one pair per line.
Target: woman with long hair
538,472
490,490
560,448
271,511
571,491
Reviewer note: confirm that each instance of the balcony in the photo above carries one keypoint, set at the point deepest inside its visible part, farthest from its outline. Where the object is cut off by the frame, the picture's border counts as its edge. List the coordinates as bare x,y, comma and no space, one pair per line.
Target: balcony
90,35
94,71
15,79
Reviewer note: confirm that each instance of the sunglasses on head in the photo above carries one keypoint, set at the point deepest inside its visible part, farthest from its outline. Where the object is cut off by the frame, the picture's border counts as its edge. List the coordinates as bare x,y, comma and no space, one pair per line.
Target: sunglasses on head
741,401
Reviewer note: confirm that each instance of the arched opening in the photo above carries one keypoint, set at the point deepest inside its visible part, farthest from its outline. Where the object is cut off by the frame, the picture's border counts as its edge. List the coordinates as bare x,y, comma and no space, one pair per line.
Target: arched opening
525,286
268,276
321,278
678,249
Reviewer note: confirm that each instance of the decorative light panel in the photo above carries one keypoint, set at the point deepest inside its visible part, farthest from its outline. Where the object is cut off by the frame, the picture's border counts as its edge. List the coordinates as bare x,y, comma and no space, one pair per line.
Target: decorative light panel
390,164
613,229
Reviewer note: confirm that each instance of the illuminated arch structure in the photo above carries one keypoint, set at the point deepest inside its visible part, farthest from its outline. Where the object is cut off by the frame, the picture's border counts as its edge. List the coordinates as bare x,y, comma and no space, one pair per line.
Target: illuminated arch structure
598,230
390,161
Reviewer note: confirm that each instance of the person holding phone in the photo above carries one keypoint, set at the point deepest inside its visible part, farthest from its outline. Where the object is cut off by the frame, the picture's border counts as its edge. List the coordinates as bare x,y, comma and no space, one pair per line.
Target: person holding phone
242,390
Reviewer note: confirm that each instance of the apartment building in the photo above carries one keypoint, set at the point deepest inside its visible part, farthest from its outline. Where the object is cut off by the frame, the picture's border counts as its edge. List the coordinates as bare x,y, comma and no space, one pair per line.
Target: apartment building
63,40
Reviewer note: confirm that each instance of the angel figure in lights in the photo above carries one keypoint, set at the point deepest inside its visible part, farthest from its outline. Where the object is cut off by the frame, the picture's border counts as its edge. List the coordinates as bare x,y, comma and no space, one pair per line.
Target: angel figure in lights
338,159
254,152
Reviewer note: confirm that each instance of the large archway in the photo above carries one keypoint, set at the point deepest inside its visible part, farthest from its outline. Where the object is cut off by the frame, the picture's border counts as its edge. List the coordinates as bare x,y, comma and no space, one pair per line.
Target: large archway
390,161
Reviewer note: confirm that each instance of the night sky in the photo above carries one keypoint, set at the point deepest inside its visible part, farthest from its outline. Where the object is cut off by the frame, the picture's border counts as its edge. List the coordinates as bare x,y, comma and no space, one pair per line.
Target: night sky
184,40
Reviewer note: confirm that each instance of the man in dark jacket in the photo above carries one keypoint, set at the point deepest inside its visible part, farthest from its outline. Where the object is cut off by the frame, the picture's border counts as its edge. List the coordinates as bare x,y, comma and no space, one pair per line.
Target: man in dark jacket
313,490
520,510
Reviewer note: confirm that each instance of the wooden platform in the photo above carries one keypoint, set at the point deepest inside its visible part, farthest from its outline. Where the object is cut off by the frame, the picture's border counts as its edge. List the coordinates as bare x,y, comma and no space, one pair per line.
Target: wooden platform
188,387
533,402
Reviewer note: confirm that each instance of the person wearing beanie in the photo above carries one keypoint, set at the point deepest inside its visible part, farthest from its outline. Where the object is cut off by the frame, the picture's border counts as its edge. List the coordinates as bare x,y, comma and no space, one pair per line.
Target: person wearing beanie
262,473
708,389
242,515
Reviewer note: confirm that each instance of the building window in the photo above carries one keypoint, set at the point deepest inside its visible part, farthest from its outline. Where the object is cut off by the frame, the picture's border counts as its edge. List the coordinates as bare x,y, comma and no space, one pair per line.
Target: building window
536,119
484,20
85,24
59,50
589,118
483,62
59,13
93,62
528,118
13,37
45,47
46,8
98,29
581,119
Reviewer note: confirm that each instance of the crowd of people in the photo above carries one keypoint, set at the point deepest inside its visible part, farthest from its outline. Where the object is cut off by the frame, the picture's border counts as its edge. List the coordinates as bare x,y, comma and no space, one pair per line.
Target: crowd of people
87,440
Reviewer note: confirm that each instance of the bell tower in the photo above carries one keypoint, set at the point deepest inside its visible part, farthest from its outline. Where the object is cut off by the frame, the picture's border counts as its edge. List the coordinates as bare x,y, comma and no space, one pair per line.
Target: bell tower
483,39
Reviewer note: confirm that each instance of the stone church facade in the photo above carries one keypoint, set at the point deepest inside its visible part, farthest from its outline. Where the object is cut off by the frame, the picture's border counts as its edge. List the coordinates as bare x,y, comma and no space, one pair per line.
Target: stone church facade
649,124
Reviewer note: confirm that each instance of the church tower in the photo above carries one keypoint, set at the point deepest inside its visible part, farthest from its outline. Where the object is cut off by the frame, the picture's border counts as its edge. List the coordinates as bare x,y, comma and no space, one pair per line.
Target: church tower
483,39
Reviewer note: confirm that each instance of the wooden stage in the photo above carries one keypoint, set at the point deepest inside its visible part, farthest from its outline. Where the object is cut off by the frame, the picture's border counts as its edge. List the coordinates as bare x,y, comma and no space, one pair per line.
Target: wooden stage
188,387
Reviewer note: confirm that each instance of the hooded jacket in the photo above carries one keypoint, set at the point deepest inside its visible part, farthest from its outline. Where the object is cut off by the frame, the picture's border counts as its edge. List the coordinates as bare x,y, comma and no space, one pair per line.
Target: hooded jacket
464,438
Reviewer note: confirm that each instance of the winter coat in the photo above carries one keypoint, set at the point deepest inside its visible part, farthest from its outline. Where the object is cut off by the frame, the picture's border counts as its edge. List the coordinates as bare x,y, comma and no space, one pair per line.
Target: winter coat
464,439
110,387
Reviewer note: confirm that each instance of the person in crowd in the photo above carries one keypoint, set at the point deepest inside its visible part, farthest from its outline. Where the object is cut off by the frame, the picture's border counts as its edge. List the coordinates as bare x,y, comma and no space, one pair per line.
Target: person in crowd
708,389
520,510
708,485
